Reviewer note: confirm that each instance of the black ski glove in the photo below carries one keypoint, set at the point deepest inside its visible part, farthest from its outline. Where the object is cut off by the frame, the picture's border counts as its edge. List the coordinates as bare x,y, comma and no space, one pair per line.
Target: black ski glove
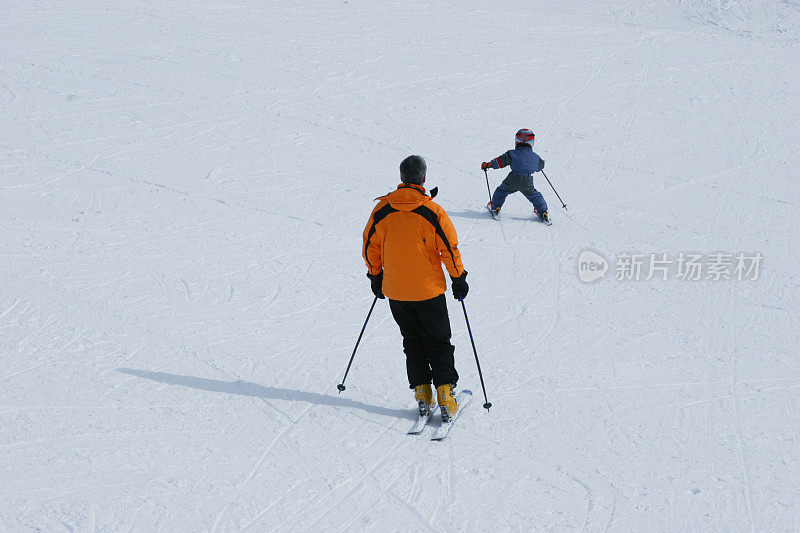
376,283
541,165
460,286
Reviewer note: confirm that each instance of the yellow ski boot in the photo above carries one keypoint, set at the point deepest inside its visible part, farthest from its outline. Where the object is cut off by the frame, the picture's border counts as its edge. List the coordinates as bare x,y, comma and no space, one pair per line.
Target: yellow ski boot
447,402
424,396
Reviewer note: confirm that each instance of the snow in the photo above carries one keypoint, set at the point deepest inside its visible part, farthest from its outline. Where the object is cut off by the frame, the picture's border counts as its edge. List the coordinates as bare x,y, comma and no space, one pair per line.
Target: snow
184,187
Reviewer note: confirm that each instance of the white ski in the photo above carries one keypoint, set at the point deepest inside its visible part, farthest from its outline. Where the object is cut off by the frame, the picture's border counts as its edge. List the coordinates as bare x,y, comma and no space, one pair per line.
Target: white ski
422,421
462,398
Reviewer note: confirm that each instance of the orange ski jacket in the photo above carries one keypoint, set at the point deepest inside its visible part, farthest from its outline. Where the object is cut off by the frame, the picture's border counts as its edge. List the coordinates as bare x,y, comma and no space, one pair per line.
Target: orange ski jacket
408,236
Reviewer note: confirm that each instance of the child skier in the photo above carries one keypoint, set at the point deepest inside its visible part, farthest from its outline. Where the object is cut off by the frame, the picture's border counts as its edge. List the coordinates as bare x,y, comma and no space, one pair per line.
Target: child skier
524,162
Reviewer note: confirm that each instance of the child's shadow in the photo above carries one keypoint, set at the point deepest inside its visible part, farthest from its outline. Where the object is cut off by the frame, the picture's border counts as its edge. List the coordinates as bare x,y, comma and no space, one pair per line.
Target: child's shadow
245,388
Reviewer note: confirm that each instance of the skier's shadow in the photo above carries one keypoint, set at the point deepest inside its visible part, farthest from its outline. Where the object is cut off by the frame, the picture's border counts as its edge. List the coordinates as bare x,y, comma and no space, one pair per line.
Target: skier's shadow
245,388
469,213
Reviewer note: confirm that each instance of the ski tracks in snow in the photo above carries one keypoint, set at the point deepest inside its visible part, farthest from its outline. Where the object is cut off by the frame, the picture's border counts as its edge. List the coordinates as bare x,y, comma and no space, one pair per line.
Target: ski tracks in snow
624,148
227,210
252,473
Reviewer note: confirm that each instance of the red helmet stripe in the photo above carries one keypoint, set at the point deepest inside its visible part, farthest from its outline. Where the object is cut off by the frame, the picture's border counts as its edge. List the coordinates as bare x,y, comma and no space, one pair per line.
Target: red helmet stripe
525,135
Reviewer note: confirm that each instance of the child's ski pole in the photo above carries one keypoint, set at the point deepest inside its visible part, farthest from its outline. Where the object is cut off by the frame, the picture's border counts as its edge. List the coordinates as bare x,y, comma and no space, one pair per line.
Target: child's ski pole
554,190
486,172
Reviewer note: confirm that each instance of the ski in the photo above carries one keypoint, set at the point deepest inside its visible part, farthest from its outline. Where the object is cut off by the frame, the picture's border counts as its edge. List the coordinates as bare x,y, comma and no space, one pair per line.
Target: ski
546,221
462,398
422,421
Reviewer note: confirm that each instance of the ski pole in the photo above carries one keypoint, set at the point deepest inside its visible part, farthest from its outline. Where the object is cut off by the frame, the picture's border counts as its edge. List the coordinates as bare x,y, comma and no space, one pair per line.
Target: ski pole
554,190
486,405
486,172
341,386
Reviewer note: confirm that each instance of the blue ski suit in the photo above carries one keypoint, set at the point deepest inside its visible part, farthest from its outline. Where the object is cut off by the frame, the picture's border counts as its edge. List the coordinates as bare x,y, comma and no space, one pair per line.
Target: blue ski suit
524,162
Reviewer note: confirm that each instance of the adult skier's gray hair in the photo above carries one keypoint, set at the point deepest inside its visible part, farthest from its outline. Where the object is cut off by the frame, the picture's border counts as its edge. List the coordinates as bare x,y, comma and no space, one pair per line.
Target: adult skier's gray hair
413,169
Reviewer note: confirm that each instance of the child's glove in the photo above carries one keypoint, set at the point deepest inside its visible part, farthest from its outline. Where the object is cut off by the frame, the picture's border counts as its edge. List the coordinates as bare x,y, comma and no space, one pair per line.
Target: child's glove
485,166
541,165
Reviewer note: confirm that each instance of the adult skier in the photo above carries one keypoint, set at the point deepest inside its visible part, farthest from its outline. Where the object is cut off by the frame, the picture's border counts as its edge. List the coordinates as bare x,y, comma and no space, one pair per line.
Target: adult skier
407,238
524,162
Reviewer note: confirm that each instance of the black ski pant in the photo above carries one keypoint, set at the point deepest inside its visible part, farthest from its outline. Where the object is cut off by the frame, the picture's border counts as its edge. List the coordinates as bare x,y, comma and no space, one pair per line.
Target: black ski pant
425,327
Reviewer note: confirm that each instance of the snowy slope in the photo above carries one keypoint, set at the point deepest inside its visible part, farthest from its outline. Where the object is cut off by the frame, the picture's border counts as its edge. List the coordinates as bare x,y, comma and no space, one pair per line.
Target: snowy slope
184,186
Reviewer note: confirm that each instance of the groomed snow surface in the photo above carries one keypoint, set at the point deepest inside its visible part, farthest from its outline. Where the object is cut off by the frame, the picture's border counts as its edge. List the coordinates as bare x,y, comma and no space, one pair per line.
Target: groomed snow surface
183,189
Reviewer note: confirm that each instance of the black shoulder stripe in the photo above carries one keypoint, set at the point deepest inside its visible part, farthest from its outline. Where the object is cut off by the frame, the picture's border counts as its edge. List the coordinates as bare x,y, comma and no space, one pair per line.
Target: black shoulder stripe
430,216
382,197
380,214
